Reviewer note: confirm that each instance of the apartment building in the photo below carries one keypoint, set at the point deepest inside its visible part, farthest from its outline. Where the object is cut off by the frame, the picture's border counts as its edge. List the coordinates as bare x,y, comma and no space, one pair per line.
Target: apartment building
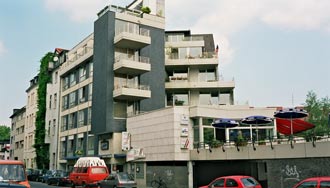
53,105
75,101
17,134
31,108
129,73
162,140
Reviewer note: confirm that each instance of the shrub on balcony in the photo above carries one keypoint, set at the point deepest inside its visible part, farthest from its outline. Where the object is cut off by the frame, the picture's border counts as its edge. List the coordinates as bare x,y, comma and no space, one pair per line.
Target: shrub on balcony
145,10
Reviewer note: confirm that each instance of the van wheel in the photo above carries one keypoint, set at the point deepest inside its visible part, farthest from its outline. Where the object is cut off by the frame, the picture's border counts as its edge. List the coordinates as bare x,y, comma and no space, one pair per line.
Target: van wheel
73,185
83,185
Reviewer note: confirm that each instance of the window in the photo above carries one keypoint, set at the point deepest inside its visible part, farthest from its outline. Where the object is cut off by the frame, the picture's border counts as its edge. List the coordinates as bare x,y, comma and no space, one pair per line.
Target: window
219,183
82,74
65,83
81,118
82,94
55,77
231,183
249,182
207,75
98,170
208,135
49,125
308,184
91,69
64,123
71,121
55,100
65,102
325,184
72,99
50,101
90,144
54,127
73,79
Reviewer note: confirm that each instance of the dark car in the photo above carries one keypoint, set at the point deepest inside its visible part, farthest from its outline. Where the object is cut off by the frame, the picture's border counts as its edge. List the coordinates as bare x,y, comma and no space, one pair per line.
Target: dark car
315,182
234,181
34,174
120,179
47,175
59,178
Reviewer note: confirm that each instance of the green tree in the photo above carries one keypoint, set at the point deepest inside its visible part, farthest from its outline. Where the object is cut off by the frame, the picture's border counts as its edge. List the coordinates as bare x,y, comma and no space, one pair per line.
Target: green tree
318,110
4,132
42,149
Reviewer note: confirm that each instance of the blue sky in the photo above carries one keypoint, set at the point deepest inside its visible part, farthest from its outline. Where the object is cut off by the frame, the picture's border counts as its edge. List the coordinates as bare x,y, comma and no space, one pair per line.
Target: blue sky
276,50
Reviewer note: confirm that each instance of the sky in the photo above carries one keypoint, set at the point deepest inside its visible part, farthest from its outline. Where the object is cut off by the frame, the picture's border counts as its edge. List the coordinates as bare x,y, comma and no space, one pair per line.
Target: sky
275,50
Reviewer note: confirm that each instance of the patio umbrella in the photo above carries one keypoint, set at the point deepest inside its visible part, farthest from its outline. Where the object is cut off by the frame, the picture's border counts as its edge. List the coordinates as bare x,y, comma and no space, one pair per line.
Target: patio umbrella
223,123
290,114
256,120
298,125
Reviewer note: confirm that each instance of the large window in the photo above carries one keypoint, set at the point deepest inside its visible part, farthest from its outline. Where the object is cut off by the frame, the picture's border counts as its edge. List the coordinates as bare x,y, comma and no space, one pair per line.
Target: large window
207,75
73,79
81,118
72,99
82,74
90,144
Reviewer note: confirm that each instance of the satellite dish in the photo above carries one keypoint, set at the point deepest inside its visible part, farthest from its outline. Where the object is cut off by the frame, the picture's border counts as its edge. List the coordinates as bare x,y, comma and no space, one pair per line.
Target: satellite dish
55,58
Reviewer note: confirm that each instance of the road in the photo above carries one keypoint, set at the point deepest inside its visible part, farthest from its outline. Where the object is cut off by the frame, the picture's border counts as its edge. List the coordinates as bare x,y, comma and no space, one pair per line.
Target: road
42,185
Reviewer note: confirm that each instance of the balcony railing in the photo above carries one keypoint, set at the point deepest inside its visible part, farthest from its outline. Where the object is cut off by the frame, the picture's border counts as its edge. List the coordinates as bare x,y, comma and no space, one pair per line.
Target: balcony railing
140,87
204,55
76,56
187,38
140,59
133,29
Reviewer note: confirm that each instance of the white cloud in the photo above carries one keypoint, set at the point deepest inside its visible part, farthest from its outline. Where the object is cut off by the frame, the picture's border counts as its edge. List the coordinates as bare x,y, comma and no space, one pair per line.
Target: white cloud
77,10
3,50
224,18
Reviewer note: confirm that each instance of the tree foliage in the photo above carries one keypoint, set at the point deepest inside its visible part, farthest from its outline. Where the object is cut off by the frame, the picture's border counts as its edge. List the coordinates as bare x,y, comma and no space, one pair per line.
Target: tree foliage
318,110
4,132
42,149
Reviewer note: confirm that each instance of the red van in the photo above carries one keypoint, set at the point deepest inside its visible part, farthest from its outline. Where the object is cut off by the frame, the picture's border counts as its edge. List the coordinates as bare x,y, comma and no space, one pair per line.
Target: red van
12,172
87,171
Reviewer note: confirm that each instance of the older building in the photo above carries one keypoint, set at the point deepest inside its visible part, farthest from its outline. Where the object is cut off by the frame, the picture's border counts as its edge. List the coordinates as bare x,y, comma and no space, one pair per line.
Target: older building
53,106
17,134
30,120
75,101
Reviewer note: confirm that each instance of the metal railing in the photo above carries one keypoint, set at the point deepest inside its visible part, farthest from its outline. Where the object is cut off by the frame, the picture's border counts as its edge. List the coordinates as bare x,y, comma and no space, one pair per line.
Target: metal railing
140,59
269,141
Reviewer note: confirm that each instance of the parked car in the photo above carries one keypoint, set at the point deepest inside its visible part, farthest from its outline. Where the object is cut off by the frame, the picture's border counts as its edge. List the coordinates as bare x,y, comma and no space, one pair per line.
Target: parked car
45,176
59,178
120,179
314,182
34,174
234,181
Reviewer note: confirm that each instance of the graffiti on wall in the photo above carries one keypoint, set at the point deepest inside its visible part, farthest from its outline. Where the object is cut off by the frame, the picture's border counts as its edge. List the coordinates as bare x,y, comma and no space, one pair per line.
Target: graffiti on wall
290,174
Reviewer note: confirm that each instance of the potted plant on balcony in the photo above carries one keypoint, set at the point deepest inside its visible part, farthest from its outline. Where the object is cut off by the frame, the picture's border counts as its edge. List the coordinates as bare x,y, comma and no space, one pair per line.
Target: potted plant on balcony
146,10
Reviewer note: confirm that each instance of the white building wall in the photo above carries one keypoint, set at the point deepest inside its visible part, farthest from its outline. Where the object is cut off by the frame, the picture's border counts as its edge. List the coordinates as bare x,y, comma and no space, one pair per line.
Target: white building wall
158,133
52,117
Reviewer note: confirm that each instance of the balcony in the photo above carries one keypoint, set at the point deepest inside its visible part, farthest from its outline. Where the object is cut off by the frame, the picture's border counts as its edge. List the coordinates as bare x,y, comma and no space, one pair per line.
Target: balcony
189,41
131,93
131,65
184,83
205,60
132,37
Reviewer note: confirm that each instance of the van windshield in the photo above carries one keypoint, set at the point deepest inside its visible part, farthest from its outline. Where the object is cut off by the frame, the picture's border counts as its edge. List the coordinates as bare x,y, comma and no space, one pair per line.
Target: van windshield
12,172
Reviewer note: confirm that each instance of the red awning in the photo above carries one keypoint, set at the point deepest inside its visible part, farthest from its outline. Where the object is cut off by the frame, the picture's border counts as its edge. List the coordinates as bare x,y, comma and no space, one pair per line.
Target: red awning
298,125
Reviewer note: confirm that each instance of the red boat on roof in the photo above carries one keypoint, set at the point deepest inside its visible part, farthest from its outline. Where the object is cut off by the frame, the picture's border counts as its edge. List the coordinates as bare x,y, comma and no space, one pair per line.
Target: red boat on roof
298,125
